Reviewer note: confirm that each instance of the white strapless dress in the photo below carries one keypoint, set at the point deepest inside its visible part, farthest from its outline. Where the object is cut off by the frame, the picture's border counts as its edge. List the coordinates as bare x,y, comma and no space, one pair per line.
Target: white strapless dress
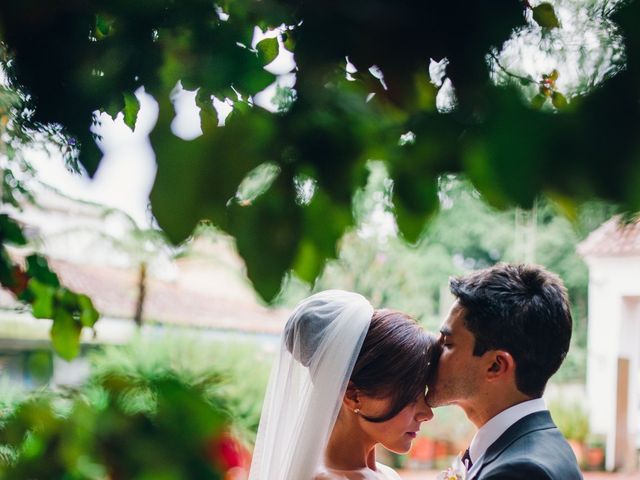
382,472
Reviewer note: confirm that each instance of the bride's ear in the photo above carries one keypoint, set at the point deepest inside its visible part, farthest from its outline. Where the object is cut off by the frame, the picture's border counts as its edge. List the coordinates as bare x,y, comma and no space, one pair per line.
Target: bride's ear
351,397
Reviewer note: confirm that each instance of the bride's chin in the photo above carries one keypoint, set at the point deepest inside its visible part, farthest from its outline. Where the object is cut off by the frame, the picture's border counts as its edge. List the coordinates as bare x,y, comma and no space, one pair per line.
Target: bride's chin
399,449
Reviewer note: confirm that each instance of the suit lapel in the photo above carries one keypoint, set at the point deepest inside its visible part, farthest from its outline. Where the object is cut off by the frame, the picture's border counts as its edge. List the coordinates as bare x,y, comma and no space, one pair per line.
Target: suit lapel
531,423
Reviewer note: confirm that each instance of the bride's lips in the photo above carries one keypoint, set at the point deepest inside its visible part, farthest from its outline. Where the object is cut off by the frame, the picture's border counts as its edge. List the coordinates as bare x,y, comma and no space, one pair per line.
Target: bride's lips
411,434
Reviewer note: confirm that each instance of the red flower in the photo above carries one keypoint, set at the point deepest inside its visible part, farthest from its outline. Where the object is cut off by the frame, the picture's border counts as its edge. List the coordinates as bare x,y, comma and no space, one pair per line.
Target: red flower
227,452
21,279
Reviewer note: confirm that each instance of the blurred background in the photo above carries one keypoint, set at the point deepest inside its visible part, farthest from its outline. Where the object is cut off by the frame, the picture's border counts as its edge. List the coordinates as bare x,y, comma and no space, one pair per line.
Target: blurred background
175,178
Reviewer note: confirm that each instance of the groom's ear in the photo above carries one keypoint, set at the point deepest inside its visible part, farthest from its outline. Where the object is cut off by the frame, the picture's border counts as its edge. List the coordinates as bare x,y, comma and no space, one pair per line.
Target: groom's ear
502,363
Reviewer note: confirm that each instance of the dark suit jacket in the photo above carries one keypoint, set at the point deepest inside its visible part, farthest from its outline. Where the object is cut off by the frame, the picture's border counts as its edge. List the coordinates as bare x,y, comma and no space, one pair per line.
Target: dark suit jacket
531,449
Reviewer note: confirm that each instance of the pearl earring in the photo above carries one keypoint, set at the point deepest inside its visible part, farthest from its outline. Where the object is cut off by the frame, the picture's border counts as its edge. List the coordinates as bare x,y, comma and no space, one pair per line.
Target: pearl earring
356,411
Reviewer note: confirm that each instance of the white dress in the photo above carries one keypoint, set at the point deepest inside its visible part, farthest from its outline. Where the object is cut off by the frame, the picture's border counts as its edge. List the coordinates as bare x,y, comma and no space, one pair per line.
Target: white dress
382,472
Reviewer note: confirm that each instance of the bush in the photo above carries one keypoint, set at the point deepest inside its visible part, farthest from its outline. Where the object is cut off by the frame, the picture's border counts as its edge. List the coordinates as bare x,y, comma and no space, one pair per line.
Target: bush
235,371
119,429
571,418
154,409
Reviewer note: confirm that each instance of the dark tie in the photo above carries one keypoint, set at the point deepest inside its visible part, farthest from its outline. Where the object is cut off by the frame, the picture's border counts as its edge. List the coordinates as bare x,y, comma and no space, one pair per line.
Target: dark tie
466,460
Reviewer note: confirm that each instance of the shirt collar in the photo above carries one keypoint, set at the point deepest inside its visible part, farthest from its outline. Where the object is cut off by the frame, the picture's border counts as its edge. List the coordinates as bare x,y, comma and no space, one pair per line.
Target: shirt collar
494,428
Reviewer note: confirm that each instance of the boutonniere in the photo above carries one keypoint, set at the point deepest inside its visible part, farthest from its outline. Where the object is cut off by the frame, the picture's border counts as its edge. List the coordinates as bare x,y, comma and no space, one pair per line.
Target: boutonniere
456,471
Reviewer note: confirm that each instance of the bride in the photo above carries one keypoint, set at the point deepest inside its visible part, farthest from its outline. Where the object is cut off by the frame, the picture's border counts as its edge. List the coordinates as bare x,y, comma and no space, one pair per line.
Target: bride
347,378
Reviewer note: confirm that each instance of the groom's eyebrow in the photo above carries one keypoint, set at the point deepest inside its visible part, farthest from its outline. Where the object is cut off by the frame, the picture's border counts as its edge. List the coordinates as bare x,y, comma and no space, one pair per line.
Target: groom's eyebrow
446,331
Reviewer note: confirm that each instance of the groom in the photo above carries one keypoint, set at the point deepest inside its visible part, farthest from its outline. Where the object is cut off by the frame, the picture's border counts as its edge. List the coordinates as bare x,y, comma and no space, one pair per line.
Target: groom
506,334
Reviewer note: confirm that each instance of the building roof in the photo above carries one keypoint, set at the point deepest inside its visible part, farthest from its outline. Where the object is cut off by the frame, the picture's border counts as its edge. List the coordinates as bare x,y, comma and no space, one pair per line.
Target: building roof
613,238
115,292
97,251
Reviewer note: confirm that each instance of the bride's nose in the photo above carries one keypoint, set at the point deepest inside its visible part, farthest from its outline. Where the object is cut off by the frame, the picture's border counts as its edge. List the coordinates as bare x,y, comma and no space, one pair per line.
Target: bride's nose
423,412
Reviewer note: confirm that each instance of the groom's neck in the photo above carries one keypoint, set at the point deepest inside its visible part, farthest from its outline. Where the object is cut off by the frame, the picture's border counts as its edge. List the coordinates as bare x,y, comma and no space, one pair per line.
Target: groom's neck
485,406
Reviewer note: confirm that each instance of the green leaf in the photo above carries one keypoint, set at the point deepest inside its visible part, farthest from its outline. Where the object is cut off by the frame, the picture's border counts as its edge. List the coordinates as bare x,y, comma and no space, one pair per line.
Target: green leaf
131,109
181,197
65,334
88,314
43,303
67,299
257,182
559,100
289,41
565,205
425,92
7,276
268,49
10,231
324,223
268,234
104,26
38,268
417,193
409,224
545,16
538,101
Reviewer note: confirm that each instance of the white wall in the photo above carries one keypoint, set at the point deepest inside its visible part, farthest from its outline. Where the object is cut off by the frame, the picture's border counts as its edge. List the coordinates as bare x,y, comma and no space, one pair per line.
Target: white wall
614,331
630,348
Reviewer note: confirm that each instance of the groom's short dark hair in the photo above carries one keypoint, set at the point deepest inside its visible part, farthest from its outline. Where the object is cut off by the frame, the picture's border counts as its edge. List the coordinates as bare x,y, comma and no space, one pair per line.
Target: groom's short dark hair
522,309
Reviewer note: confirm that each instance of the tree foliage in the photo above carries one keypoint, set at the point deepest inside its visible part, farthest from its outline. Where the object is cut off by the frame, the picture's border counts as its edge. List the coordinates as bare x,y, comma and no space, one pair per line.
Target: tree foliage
515,128
119,427
38,286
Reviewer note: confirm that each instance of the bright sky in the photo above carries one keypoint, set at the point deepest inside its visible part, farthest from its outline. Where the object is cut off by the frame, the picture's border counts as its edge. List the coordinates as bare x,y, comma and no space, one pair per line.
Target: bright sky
127,171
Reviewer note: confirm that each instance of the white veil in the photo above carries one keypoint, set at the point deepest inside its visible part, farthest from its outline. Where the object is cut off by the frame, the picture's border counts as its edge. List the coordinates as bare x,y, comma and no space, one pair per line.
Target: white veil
318,350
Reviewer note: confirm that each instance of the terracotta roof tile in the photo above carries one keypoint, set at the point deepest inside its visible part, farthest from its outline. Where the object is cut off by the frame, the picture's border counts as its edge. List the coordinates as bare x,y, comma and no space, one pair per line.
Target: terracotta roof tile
114,293
612,238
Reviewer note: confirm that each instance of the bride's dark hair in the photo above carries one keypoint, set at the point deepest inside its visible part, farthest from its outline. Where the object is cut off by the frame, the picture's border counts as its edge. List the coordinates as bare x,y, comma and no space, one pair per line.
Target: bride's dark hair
397,360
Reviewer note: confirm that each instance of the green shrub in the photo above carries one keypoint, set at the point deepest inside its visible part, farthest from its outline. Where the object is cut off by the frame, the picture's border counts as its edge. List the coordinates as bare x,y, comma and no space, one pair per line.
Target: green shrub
235,371
571,418
167,409
98,432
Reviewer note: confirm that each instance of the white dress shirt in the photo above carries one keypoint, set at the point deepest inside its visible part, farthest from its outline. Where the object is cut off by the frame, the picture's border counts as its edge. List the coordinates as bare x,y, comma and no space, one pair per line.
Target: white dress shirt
494,428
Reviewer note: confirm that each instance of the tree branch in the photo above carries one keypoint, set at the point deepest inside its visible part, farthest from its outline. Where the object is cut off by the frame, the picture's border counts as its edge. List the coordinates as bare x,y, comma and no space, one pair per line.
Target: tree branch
510,74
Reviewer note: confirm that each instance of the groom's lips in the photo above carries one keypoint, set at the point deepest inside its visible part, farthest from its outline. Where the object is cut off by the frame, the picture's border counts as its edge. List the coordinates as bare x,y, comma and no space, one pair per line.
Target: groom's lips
411,434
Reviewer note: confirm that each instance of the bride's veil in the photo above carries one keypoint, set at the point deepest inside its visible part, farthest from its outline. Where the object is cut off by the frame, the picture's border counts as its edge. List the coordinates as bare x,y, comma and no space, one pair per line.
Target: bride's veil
318,349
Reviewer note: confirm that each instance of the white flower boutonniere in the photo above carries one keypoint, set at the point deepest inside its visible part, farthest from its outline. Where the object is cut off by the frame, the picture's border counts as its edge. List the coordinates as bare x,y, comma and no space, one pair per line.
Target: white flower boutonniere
456,471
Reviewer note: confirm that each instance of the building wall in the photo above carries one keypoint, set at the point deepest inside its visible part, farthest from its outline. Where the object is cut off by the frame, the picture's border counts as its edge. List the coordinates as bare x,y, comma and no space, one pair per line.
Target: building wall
614,332
630,348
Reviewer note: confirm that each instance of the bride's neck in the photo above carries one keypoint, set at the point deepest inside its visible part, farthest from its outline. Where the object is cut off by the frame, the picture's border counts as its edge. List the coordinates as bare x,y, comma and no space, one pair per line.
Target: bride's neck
349,448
